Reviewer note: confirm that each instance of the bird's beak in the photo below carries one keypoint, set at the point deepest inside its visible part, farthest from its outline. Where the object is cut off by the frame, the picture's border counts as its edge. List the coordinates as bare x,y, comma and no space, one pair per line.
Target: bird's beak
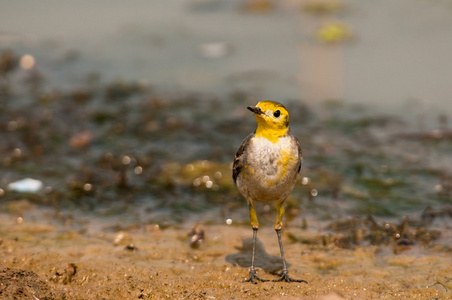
256,110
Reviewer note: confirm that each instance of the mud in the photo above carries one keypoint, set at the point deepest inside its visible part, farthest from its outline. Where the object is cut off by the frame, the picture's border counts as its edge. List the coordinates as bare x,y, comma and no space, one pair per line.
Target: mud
43,262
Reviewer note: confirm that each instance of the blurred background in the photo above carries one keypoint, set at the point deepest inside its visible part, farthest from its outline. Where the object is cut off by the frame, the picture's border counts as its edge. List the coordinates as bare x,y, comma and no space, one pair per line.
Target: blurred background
355,51
138,108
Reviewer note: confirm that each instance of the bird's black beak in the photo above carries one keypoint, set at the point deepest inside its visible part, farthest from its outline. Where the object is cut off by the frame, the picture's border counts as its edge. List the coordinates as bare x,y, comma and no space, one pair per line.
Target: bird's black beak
256,110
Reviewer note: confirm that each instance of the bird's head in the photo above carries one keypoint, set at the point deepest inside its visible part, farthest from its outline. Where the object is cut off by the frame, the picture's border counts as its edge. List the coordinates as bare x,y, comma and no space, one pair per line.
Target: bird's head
272,119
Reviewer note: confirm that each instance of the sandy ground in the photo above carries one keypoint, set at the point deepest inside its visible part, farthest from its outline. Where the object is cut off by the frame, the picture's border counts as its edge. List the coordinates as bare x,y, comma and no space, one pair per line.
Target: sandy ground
145,262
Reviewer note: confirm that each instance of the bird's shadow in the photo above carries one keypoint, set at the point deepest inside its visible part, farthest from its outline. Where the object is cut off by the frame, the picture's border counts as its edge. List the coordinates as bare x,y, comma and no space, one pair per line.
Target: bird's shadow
269,263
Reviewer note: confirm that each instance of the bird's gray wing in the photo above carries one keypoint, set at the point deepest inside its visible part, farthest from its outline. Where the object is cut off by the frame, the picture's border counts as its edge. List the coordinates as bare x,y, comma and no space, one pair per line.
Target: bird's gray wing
300,154
238,164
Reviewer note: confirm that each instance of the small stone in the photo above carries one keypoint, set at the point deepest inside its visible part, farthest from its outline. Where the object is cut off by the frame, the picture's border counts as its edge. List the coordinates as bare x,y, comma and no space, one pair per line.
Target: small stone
122,238
27,185
197,237
131,247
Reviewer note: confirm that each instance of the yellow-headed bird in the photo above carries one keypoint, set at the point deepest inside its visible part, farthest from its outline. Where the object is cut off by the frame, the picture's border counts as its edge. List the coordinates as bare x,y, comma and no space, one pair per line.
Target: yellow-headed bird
265,169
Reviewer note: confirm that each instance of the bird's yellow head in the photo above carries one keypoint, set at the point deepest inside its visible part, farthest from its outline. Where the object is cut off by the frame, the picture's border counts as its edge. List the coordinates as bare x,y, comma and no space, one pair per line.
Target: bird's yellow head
272,120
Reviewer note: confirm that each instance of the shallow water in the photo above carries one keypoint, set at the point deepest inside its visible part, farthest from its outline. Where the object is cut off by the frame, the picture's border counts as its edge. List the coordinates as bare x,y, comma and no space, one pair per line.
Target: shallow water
138,200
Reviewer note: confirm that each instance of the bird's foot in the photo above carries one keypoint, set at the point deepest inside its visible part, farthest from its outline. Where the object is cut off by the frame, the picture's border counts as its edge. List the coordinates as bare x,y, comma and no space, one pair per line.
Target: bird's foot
284,276
253,277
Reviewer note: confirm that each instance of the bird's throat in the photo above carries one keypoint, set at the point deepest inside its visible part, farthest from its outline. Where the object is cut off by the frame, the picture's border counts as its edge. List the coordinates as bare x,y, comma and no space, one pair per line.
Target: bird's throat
269,131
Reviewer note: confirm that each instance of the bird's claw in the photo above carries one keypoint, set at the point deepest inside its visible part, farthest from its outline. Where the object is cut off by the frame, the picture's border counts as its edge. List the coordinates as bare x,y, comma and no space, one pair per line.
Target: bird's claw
254,276
284,276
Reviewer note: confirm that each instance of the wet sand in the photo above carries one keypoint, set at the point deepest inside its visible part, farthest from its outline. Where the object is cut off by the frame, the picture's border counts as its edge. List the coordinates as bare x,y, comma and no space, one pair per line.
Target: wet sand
40,261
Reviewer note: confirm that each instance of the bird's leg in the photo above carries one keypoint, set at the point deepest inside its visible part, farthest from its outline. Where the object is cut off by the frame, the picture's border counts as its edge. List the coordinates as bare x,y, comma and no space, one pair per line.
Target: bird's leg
284,275
255,224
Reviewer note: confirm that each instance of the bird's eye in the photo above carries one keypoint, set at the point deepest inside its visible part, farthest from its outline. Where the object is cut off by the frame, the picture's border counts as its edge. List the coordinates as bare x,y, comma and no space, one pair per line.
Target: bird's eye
277,113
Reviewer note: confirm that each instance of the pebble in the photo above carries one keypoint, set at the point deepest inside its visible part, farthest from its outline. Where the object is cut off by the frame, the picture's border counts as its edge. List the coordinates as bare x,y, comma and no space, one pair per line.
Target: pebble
27,185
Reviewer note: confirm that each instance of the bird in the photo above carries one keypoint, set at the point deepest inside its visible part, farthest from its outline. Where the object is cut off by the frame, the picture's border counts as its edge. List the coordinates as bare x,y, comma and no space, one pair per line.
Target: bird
265,169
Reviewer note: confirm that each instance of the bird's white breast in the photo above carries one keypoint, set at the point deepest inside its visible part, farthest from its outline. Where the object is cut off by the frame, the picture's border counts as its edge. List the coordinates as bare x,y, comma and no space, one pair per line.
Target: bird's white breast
269,169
